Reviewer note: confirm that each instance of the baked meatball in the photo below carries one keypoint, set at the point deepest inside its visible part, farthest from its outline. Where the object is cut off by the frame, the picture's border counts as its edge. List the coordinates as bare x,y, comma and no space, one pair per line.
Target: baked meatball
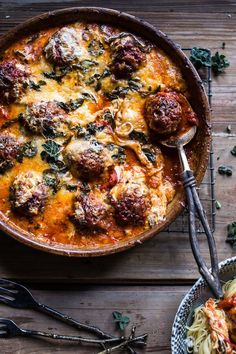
63,47
131,204
85,158
163,113
28,193
90,212
9,147
127,56
13,81
45,118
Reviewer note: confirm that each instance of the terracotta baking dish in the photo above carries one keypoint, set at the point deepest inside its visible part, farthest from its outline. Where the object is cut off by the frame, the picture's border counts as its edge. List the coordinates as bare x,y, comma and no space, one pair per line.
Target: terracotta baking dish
200,144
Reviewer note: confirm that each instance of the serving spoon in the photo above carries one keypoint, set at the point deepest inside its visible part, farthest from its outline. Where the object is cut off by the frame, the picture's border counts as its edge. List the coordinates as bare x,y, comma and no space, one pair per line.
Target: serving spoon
195,206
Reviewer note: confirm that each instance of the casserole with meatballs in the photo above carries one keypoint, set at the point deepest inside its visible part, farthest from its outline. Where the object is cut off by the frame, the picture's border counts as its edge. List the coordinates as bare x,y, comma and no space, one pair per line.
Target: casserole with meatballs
82,109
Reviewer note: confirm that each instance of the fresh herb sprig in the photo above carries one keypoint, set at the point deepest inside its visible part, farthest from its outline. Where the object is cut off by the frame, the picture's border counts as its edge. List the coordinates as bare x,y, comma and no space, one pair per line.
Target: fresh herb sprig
231,236
51,154
233,151
121,321
201,57
225,170
219,63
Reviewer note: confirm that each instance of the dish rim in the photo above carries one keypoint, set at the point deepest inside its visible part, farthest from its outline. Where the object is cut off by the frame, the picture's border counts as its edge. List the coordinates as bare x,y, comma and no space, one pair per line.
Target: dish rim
134,24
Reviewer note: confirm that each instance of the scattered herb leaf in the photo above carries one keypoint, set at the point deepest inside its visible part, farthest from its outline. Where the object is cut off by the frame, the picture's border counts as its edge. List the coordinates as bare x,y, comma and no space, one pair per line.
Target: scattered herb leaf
122,321
233,151
217,204
200,57
71,187
118,152
71,105
219,63
93,128
231,236
134,84
225,170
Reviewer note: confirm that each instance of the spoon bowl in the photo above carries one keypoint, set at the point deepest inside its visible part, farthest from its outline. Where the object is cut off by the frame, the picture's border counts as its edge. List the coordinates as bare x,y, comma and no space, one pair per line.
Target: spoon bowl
180,140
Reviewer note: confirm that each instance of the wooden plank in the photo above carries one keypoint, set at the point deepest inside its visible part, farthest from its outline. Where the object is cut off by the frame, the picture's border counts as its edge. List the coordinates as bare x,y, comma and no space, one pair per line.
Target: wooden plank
152,309
164,259
167,257
167,5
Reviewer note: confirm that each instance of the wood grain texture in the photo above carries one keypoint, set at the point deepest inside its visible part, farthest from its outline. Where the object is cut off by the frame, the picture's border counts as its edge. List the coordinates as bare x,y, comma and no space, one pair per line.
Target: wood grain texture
167,258
154,316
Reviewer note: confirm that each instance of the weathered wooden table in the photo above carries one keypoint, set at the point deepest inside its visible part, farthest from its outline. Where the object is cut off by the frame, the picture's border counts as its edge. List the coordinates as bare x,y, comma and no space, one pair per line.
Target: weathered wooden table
149,281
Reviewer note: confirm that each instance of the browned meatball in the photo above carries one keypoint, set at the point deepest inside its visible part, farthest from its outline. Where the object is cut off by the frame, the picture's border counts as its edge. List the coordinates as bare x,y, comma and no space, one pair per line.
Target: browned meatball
45,118
163,113
13,81
90,212
63,47
28,193
131,205
85,158
127,56
9,147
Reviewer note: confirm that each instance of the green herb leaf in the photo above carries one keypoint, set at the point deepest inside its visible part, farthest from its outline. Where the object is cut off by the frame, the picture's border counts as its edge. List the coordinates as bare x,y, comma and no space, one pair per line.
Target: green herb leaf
150,155
93,128
135,84
37,87
200,57
218,205
225,170
96,48
52,148
54,76
118,152
29,149
12,121
231,236
122,321
109,118
139,136
233,151
117,92
71,105
89,96
51,180
219,63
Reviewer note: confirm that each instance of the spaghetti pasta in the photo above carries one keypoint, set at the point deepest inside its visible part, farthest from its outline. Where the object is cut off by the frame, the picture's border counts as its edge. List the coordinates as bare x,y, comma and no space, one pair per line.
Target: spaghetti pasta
213,327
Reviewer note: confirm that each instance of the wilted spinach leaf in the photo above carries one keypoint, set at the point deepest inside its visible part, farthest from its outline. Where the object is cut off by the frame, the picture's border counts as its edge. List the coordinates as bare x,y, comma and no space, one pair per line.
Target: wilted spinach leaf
96,48
150,155
139,136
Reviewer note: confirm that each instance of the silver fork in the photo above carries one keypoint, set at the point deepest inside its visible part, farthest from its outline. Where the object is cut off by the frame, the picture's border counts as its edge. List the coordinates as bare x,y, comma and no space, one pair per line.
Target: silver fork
9,329
18,296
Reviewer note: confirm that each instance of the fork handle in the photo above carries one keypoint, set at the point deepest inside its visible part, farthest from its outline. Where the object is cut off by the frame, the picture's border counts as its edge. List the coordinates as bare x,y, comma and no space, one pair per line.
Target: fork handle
33,333
70,321
194,205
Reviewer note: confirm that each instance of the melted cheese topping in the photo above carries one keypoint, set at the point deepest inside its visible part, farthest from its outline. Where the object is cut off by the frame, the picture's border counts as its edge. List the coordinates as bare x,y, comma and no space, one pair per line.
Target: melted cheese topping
128,113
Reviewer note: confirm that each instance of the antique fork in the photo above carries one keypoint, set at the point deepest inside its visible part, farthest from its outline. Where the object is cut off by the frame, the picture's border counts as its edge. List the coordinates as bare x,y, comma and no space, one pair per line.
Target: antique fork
9,329
18,296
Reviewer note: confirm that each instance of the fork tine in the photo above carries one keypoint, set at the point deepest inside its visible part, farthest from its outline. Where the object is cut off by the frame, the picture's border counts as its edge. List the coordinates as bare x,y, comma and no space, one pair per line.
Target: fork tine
7,292
5,301
8,283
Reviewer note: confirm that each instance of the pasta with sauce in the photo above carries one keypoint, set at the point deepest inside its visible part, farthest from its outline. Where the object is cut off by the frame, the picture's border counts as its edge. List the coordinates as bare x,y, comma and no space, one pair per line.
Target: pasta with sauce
213,330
